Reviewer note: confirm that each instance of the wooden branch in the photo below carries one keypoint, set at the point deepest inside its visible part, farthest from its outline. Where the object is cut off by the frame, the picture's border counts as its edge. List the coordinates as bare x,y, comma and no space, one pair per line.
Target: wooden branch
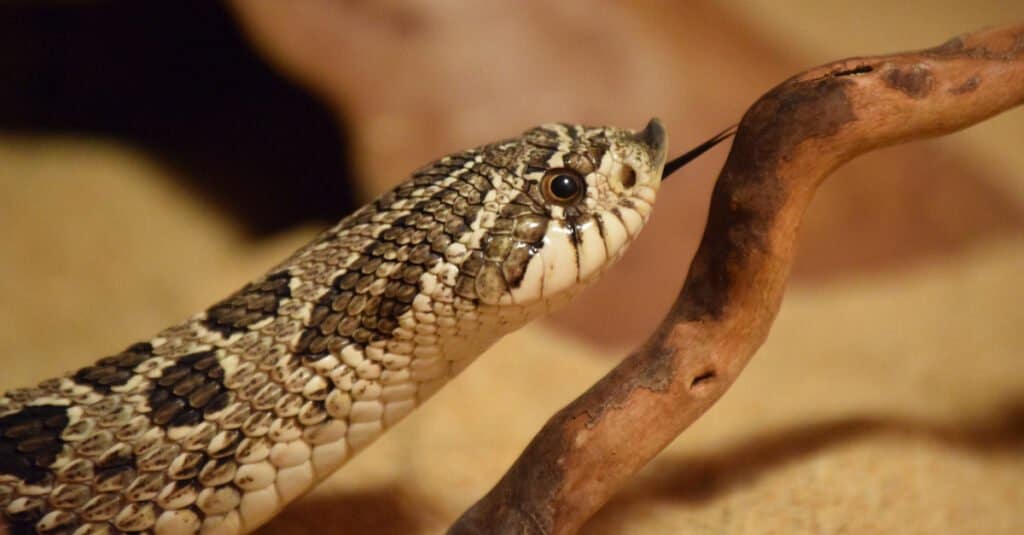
787,143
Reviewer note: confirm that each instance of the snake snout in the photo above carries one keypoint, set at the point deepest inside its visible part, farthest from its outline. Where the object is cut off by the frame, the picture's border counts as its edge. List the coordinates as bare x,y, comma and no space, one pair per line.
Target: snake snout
654,137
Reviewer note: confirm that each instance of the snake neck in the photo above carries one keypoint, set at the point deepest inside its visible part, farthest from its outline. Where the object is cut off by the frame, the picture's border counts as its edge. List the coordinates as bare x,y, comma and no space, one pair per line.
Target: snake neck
215,424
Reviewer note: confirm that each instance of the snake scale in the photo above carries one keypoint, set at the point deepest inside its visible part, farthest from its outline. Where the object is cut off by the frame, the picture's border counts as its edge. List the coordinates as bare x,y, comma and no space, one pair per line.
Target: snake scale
215,424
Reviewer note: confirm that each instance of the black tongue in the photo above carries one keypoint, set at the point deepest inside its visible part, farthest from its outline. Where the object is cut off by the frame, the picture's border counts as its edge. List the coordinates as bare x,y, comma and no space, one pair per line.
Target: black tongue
674,165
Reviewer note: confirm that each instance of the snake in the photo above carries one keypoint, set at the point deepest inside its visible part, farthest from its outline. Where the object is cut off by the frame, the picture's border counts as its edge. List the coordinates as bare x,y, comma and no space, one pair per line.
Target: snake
213,425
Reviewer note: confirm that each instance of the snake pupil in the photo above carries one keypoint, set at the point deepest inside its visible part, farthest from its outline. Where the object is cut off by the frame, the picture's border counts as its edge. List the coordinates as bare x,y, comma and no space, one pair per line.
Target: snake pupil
565,187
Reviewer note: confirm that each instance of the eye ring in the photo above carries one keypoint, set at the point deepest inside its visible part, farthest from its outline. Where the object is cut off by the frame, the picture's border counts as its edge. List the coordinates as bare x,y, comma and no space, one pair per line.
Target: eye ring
562,186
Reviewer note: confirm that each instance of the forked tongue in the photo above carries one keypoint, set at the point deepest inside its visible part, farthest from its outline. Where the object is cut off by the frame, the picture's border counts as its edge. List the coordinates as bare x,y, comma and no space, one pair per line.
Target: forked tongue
674,164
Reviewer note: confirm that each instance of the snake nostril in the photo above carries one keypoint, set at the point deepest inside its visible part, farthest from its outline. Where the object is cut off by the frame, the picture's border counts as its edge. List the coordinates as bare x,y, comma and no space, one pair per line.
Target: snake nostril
628,177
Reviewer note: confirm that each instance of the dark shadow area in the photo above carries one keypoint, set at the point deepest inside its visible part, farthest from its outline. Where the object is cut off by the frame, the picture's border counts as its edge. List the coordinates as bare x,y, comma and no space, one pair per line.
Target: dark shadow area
382,511
700,478
179,79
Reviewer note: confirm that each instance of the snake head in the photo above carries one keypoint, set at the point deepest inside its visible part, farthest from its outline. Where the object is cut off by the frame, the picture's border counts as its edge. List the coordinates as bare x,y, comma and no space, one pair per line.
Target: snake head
568,200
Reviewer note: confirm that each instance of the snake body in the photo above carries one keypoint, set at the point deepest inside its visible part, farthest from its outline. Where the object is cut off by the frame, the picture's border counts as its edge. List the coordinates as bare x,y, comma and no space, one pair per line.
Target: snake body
213,425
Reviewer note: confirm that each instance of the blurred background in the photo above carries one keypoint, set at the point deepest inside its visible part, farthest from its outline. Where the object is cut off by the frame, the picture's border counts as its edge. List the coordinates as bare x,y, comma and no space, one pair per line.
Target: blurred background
155,156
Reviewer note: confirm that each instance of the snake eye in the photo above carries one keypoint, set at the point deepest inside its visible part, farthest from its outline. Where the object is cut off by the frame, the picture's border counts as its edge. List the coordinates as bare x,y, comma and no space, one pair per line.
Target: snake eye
562,186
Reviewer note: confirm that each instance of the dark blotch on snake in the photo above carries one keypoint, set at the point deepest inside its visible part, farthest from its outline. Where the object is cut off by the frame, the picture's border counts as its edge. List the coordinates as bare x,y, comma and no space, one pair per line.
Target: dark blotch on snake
187,390
114,370
364,303
253,303
30,441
